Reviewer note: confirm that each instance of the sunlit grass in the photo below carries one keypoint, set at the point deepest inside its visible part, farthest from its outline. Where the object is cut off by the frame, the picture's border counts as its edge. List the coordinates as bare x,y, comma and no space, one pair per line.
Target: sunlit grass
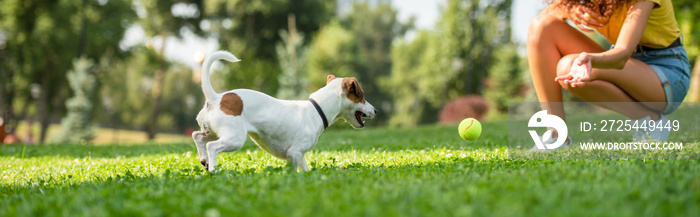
105,136
426,171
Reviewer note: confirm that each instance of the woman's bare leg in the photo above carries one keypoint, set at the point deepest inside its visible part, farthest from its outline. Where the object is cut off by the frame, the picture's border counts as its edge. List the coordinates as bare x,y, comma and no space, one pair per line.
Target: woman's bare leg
634,91
549,39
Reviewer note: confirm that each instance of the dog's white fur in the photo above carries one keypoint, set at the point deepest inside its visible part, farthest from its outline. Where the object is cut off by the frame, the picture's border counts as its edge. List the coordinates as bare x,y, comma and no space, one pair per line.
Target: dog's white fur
286,129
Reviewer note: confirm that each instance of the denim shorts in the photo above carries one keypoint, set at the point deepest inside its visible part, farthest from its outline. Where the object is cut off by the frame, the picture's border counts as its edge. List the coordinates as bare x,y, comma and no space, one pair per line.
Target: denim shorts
673,68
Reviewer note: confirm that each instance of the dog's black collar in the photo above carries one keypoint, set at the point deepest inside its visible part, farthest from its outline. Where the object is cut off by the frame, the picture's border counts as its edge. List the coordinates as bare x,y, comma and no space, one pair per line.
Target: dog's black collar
320,112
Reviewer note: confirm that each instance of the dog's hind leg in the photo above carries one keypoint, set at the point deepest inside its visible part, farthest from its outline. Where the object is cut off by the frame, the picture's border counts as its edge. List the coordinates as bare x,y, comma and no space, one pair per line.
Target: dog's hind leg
302,165
225,144
296,160
200,141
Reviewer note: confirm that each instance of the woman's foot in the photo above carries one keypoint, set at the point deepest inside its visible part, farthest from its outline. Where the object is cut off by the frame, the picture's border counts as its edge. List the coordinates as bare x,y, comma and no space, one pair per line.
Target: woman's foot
550,141
658,134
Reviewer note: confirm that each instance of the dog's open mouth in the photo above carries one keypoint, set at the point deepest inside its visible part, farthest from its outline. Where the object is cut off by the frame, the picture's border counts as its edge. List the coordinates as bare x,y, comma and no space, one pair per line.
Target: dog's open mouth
359,115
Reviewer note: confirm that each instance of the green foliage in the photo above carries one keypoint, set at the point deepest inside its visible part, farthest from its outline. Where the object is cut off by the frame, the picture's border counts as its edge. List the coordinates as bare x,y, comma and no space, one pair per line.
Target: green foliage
159,18
688,16
76,127
428,171
44,36
249,73
126,92
449,62
250,30
473,29
128,97
251,27
413,92
359,45
374,28
505,80
293,58
183,100
331,52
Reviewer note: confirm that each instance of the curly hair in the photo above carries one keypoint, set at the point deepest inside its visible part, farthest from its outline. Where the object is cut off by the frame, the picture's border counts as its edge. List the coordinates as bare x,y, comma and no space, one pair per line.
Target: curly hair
605,7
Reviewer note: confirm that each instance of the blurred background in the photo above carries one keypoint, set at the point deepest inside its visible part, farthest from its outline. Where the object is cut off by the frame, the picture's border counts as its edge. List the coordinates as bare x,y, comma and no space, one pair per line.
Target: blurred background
128,71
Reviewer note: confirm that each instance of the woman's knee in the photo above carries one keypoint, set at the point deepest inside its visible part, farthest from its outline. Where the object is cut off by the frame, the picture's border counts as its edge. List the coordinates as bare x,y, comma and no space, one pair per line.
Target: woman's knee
564,67
540,26
564,64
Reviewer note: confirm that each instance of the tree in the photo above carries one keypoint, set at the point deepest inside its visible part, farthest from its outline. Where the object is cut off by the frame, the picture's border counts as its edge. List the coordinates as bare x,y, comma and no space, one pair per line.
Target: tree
293,57
160,21
249,29
76,127
45,37
359,45
474,29
331,52
504,81
417,73
374,29
182,100
688,16
449,62
124,98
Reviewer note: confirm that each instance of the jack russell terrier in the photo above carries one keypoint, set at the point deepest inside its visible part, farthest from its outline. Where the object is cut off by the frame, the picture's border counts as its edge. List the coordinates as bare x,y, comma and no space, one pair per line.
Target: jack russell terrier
284,128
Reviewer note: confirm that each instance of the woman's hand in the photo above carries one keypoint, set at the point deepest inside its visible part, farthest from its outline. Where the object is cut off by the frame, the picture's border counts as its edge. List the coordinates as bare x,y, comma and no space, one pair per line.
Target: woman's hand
586,18
580,71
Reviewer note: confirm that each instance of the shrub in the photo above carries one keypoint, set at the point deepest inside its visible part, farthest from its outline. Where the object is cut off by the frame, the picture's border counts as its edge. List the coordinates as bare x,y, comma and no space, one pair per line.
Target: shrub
474,106
76,127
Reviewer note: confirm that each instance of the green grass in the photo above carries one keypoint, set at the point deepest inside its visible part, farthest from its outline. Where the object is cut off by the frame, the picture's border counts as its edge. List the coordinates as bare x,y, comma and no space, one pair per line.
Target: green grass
105,136
427,171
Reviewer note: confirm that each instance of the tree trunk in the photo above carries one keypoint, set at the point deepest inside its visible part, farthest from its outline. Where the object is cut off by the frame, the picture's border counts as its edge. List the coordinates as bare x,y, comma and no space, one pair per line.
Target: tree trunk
43,101
6,95
694,92
83,23
157,91
9,91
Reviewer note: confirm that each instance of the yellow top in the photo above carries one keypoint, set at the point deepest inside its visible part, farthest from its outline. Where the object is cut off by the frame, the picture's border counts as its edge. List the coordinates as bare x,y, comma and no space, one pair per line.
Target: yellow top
661,30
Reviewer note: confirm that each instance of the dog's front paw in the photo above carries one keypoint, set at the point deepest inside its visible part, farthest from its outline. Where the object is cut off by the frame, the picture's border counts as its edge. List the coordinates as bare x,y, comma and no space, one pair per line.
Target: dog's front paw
204,163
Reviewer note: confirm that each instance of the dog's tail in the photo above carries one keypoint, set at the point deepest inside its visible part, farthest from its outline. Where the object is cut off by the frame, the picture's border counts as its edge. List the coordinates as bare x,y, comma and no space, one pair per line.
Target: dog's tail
209,92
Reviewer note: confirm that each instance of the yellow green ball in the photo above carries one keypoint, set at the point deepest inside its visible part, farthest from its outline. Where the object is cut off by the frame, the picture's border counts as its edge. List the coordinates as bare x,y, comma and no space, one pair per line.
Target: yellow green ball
469,129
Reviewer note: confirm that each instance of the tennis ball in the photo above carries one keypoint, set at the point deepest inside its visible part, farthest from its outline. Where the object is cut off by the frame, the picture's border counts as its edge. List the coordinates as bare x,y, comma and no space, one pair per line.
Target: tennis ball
469,129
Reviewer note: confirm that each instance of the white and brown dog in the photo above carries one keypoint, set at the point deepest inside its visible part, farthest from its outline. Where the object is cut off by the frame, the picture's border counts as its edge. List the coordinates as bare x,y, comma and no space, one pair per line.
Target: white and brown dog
286,129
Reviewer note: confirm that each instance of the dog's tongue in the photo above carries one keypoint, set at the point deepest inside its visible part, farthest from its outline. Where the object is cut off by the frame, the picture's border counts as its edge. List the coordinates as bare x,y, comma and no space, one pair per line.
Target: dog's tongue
358,116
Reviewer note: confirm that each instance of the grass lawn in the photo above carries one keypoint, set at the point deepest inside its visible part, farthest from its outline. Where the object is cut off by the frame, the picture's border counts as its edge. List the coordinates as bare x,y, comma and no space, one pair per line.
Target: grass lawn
426,171
106,136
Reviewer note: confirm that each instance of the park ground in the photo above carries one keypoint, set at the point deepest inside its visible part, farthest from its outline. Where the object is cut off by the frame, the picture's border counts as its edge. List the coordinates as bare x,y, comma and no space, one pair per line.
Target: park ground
424,171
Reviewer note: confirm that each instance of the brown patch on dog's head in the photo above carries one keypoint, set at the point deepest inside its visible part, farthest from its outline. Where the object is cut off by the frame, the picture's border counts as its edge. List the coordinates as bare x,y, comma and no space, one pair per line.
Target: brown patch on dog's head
329,78
353,89
231,104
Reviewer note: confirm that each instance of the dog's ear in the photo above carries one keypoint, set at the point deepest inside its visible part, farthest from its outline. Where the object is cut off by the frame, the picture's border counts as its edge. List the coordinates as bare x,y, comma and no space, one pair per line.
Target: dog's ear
353,90
329,78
